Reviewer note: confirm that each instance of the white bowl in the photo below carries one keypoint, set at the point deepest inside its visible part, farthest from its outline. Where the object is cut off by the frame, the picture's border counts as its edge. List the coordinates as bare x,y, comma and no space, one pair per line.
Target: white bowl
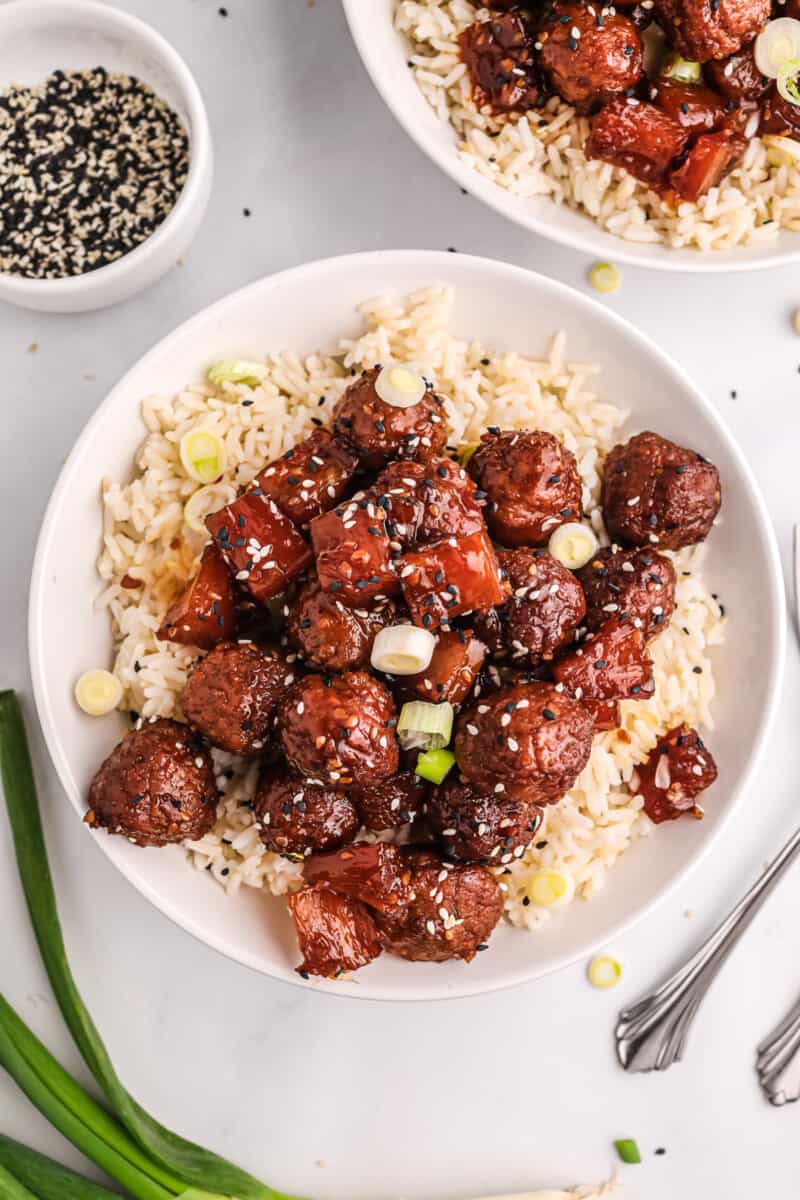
384,53
309,308
39,36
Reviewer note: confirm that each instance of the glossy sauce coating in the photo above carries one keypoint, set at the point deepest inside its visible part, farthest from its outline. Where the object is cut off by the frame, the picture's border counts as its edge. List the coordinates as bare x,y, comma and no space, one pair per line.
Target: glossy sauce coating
205,612
589,53
330,634
612,664
528,742
310,478
457,658
156,787
297,816
425,501
701,32
676,772
232,695
386,803
640,138
635,584
532,484
353,552
658,493
378,431
478,827
446,579
375,873
261,546
500,58
341,729
335,934
545,607
452,914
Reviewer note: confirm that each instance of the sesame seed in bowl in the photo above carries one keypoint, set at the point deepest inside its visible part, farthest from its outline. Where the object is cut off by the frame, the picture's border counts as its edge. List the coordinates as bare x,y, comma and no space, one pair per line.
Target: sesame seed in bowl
105,155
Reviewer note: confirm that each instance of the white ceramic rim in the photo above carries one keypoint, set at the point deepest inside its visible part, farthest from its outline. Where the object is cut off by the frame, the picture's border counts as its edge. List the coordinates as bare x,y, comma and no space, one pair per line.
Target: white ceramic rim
707,262
430,262
19,289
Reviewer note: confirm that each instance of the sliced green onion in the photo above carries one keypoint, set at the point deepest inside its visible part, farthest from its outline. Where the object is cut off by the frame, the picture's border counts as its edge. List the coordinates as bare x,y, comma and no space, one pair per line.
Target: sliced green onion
604,971
628,1150
239,370
203,455
400,386
550,888
202,502
424,726
681,69
402,650
176,1156
573,544
787,81
776,45
466,452
605,278
98,692
434,764
12,1189
47,1179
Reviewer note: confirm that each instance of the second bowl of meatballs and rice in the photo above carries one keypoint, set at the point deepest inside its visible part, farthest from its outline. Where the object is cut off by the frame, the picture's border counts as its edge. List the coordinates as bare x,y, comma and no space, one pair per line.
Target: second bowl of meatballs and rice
418,626
661,132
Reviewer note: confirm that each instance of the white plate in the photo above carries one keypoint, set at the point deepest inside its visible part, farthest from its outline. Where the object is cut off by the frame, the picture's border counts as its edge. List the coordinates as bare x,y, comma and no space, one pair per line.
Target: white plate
384,53
308,309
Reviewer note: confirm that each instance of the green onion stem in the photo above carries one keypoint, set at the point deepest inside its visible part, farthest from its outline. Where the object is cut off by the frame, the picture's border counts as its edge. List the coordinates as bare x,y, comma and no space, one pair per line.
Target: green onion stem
12,1189
105,1156
47,1180
68,1092
196,1166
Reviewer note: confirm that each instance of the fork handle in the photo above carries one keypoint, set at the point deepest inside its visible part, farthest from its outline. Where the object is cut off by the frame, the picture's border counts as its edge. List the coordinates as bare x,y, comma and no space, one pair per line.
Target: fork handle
651,1035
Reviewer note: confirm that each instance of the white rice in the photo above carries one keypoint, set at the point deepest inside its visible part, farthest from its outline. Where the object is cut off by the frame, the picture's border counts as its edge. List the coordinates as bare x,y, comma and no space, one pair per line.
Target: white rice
541,153
146,540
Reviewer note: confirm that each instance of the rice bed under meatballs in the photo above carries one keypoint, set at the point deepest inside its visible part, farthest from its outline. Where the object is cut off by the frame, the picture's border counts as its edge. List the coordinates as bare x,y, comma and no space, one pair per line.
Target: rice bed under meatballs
145,541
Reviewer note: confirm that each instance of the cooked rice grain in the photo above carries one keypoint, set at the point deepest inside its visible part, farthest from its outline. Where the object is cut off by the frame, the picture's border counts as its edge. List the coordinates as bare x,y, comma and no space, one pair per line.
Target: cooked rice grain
149,554
541,154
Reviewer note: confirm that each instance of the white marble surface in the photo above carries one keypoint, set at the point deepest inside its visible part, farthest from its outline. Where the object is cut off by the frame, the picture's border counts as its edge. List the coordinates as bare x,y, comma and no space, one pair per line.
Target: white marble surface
360,1101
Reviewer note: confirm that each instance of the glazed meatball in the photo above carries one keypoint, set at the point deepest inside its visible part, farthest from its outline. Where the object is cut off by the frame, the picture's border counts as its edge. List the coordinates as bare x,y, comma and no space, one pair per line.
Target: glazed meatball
479,827
335,934
499,55
658,493
341,729
389,802
589,53
427,500
157,786
701,32
232,695
330,635
529,742
546,605
452,914
780,116
738,78
532,484
378,431
634,584
677,770
299,816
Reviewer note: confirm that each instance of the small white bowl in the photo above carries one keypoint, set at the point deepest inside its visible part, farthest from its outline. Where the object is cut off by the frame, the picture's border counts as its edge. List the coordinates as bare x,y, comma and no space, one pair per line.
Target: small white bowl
308,309
40,36
384,53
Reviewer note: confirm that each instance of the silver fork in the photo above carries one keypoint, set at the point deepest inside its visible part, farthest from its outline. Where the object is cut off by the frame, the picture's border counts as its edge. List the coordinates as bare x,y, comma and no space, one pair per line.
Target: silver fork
651,1035
778,1063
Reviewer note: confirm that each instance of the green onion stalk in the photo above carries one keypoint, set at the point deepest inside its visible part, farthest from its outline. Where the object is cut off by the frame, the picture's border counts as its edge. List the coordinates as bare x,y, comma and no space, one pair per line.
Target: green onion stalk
148,1160
47,1180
